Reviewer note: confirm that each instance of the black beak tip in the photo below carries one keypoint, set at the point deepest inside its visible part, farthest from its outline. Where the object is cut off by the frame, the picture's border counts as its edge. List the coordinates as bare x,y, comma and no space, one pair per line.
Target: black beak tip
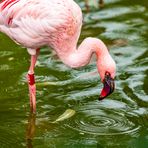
100,98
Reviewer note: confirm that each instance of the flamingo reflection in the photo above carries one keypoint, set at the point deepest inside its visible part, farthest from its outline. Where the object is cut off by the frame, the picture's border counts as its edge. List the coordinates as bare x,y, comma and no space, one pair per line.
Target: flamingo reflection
30,132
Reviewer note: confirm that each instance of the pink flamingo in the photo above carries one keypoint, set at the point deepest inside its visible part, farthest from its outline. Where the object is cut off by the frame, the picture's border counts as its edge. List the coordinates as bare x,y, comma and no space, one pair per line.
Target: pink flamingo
56,23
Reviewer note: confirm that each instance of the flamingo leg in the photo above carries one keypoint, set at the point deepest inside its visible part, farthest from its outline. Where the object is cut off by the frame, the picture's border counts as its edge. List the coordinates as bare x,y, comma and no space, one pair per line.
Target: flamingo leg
87,5
101,3
31,82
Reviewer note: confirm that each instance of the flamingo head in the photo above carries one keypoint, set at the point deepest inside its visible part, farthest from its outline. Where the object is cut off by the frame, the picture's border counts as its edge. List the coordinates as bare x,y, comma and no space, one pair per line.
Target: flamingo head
107,69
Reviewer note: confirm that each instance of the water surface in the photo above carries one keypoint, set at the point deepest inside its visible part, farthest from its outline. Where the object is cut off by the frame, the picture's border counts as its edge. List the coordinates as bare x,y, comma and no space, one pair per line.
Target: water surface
121,120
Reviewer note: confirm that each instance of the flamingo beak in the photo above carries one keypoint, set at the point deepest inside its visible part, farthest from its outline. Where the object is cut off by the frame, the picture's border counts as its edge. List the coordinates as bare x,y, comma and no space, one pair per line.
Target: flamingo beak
108,88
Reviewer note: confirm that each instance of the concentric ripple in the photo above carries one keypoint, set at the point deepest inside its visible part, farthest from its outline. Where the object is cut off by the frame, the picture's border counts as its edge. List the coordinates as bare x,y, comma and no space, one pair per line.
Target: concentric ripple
97,120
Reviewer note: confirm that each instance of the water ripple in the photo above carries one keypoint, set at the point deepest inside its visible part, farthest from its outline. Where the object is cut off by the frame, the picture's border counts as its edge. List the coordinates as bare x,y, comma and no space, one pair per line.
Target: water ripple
97,120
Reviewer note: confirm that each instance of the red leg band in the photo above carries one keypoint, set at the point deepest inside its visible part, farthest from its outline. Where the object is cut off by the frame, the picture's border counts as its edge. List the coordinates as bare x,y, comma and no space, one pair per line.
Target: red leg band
31,79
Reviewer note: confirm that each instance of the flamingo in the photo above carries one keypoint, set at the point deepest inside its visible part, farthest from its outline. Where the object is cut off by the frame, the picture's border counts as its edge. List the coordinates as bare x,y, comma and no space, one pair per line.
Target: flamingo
57,24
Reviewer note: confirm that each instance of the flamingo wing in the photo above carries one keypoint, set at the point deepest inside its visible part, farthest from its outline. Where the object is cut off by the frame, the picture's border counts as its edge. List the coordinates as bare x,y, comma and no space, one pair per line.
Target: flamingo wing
32,23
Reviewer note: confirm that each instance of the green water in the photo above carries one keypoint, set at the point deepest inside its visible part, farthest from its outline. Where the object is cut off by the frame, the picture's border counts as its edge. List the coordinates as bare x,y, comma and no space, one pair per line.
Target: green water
119,121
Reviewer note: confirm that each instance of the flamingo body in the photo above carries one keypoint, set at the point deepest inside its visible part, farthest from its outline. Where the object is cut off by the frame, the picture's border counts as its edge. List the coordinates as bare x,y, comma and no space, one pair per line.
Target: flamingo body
40,23
56,23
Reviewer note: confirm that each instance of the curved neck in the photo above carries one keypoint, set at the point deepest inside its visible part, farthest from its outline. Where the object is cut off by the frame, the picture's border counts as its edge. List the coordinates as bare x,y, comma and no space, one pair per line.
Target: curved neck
81,56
